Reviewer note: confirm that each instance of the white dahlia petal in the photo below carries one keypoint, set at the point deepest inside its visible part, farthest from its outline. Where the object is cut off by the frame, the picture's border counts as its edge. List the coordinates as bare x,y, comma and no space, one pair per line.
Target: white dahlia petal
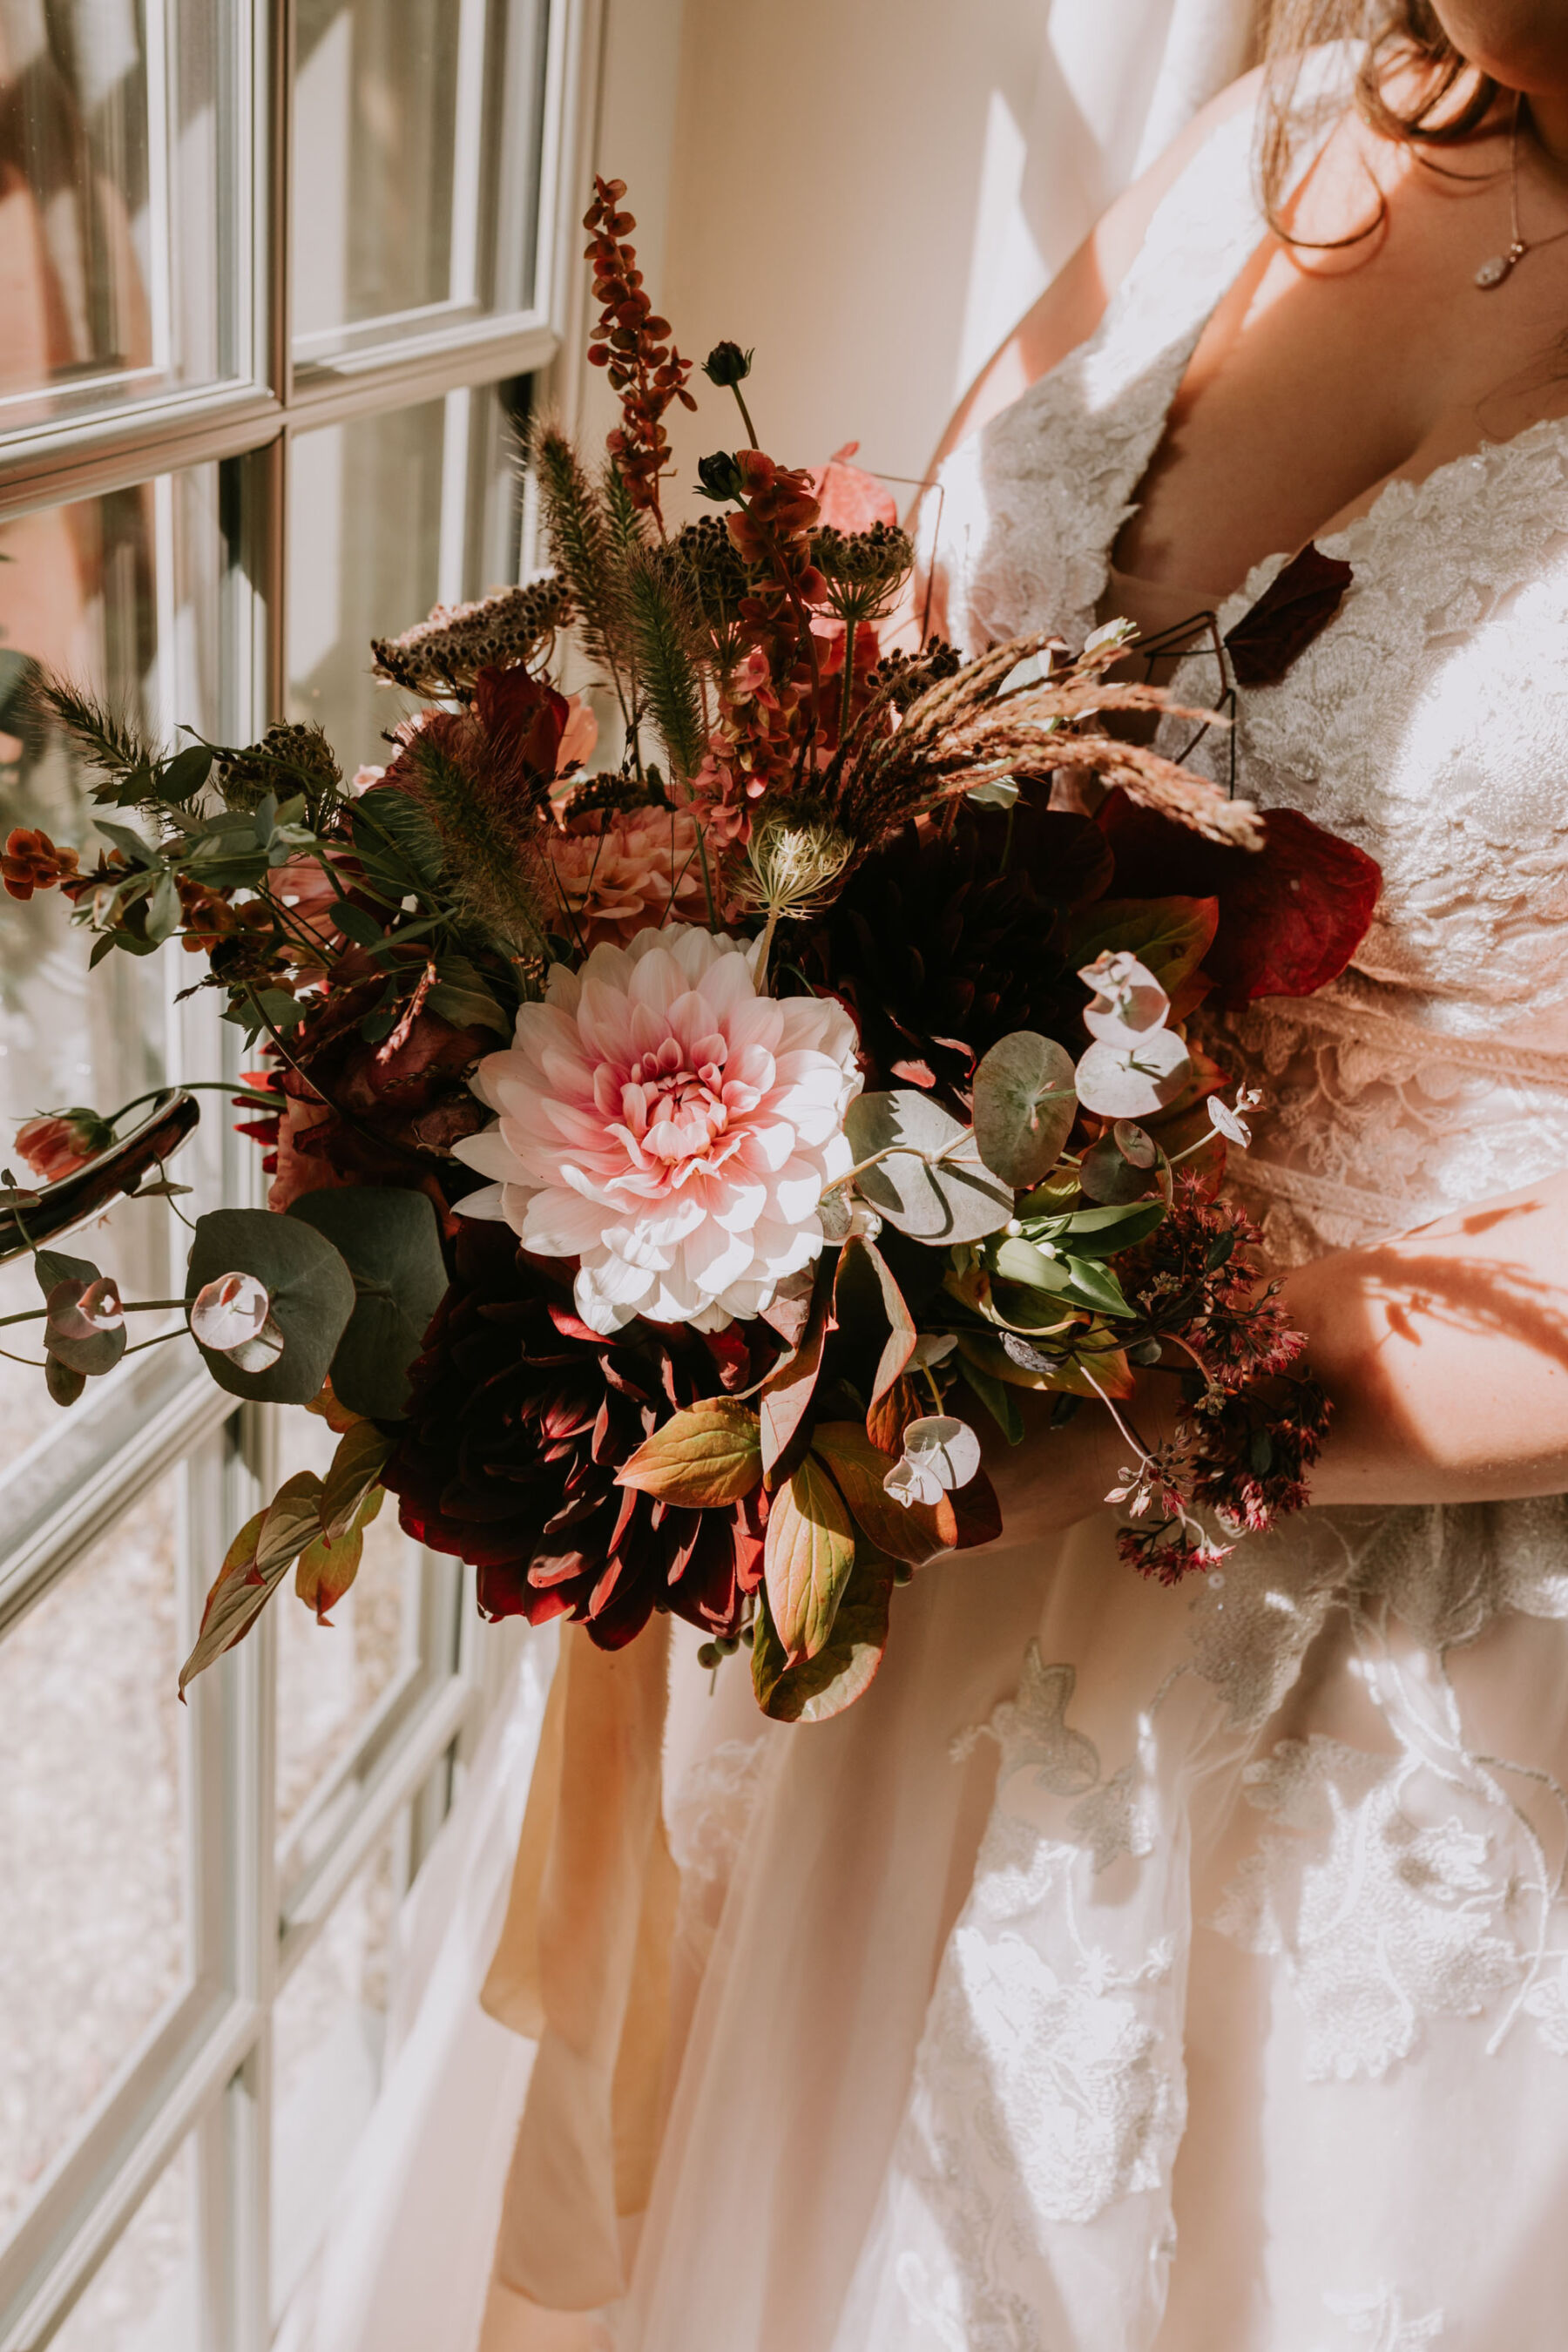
797,1188
744,1201
489,1153
489,1202
560,1224
767,1145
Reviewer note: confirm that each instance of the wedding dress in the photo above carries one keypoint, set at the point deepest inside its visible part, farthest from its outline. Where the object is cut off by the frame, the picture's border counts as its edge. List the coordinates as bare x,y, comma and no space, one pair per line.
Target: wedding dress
1137,1970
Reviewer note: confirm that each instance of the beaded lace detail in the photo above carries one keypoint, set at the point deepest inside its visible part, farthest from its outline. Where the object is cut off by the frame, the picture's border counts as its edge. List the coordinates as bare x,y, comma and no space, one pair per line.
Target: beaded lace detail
1425,723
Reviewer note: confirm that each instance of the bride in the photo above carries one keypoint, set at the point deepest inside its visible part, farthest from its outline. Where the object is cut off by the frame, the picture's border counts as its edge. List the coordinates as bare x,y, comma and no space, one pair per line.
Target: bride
1189,1969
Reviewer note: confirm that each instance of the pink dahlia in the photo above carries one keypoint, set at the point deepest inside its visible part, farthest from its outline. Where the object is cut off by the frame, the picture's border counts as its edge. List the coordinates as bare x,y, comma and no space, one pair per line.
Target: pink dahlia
619,871
668,1128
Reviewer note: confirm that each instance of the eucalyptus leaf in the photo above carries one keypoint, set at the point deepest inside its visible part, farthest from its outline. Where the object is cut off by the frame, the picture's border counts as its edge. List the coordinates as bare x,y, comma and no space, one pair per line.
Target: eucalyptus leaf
52,1266
391,1244
1025,1105
311,1289
933,1183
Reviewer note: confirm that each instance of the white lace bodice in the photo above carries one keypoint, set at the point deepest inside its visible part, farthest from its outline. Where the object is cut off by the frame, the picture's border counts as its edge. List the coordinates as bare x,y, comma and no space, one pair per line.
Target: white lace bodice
1428,724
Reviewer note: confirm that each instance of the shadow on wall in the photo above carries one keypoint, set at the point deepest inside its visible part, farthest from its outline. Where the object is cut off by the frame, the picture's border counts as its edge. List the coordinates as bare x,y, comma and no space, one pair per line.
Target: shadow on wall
871,192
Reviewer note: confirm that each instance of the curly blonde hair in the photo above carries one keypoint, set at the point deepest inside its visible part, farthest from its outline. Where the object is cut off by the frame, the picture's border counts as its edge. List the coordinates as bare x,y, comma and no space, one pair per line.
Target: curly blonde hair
1444,99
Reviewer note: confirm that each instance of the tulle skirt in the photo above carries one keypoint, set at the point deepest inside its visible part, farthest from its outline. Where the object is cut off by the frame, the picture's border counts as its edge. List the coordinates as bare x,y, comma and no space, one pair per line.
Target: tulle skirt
1131,1969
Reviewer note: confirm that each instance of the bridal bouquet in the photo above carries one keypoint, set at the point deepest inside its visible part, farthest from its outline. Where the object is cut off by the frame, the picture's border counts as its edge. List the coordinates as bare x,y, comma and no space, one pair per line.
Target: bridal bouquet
672,1164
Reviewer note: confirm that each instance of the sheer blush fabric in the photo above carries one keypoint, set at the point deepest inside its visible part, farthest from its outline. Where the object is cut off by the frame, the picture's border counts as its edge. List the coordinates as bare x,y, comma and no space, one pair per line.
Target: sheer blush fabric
1138,1971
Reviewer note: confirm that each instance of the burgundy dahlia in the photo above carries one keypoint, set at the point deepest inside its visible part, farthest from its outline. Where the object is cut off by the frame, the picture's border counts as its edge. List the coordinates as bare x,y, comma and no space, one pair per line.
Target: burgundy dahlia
519,1420
938,953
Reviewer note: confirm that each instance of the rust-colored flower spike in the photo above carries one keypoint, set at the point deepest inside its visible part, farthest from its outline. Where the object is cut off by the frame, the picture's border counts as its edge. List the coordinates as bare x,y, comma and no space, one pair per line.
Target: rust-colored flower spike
30,861
634,345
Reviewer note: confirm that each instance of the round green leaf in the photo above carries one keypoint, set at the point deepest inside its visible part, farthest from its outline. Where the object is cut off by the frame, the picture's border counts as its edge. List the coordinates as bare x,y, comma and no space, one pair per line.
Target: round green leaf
933,1183
390,1242
311,1290
1024,1107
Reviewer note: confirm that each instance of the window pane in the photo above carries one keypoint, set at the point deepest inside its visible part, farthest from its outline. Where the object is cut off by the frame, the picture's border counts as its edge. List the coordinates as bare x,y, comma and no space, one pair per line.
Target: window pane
387,516
114,177
330,1677
121,594
416,165
92,1769
329,2029
145,2299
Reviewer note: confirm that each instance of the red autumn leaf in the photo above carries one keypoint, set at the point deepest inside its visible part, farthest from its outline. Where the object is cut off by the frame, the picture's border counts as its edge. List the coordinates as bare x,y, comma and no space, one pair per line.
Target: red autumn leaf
851,499
1291,914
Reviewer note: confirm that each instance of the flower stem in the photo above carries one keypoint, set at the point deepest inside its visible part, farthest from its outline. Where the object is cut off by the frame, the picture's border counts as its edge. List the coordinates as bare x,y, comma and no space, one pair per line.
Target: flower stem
848,699
753,441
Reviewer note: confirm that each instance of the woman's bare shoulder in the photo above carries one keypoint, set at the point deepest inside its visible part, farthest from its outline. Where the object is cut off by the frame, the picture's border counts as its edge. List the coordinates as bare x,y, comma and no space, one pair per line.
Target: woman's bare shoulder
1073,304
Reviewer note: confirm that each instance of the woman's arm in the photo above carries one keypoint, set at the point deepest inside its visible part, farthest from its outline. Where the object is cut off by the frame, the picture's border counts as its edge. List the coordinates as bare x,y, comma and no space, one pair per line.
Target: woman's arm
1445,1352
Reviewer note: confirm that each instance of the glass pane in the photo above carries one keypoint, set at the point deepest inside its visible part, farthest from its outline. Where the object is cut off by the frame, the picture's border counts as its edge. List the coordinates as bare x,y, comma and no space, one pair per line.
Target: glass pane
416,165
145,2299
121,594
114,173
92,1772
329,2029
330,1677
387,516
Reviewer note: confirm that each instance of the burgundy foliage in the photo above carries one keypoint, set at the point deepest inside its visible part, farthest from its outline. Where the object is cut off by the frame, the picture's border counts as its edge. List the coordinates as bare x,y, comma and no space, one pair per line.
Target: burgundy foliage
519,1420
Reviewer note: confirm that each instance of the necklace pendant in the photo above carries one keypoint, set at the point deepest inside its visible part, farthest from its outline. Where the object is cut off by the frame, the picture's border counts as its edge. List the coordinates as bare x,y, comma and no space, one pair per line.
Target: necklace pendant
1493,272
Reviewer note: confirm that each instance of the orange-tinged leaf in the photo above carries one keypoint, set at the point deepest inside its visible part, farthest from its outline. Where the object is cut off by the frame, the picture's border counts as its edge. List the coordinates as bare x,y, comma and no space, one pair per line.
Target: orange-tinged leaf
326,1569
865,1283
843,1670
327,1408
1110,1368
356,1468
977,1511
292,1519
890,1415
708,1455
915,1532
252,1570
1171,936
809,1552
790,1386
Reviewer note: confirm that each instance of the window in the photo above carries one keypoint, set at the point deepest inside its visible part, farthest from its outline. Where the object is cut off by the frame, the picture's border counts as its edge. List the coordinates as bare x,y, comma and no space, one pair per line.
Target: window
281,277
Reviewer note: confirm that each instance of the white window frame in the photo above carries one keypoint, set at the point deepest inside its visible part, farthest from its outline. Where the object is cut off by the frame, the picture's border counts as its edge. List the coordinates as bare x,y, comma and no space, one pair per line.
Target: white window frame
204,2067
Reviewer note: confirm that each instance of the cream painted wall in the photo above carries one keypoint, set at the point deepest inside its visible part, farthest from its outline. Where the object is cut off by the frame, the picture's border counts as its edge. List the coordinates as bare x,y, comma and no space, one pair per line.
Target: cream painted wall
871,191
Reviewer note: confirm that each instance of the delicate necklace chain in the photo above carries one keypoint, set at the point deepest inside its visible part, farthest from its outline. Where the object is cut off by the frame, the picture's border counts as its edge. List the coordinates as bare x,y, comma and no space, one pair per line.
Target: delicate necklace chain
1502,265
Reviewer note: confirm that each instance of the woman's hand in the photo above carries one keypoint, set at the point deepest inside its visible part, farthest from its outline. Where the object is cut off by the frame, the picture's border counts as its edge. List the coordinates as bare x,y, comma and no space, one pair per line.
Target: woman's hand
1055,1476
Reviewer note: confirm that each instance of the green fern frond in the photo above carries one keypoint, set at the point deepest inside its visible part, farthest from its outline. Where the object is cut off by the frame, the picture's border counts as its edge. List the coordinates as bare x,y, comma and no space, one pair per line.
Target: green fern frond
107,738
666,633
495,863
584,551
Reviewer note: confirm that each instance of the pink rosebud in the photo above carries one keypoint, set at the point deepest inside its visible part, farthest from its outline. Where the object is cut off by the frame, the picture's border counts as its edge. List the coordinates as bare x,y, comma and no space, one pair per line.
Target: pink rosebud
58,1142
